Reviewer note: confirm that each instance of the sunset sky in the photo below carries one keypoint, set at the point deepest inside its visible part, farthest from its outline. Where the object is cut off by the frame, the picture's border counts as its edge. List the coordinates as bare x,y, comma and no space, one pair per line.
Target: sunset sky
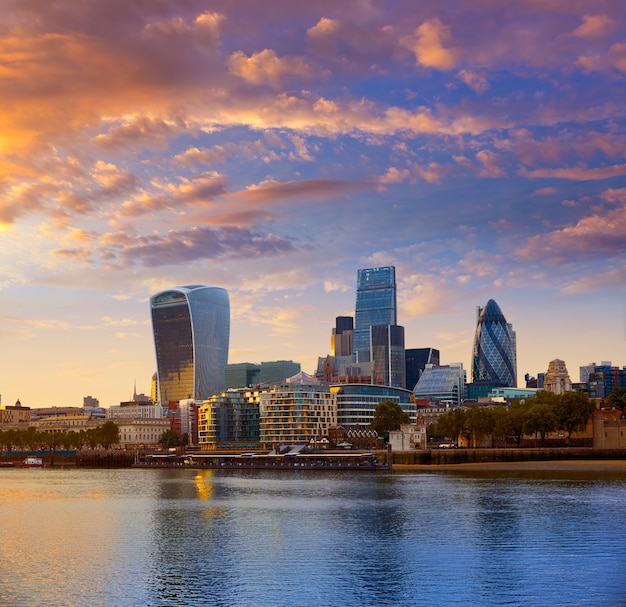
275,147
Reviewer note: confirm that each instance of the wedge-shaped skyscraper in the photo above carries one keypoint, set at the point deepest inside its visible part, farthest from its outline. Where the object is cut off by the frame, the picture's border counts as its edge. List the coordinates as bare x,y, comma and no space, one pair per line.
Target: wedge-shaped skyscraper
494,359
191,327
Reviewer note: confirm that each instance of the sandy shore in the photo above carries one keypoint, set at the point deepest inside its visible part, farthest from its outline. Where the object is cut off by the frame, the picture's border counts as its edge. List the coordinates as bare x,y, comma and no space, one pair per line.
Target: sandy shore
557,465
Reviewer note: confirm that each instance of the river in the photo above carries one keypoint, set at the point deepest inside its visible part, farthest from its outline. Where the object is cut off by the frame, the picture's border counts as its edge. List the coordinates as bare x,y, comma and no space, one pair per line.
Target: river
181,537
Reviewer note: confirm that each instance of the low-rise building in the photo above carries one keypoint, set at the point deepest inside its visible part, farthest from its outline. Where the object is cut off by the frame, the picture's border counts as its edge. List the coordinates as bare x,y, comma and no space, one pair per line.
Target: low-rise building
609,429
136,433
14,416
409,437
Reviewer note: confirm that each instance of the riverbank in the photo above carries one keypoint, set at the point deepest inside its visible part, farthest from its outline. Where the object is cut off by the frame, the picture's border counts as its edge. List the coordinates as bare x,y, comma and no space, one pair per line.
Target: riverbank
578,465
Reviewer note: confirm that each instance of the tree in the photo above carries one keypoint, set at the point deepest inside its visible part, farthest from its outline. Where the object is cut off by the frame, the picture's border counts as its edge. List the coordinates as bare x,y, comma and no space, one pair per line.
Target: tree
573,410
500,424
451,424
540,419
516,419
170,438
617,397
109,434
388,416
480,422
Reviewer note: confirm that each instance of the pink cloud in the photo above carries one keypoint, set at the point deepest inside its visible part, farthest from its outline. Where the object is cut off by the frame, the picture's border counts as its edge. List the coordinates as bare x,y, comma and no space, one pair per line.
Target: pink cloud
594,26
577,173
597,236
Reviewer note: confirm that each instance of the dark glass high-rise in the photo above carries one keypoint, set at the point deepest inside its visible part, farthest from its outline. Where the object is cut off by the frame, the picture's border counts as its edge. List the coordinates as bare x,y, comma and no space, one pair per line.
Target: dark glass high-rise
191,327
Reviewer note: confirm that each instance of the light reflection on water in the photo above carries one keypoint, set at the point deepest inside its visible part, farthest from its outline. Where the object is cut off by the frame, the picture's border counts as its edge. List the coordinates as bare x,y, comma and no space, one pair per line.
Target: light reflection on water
165,538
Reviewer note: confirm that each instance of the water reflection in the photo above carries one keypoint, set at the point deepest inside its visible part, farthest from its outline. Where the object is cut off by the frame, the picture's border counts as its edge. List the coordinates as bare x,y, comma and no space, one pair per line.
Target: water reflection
248,538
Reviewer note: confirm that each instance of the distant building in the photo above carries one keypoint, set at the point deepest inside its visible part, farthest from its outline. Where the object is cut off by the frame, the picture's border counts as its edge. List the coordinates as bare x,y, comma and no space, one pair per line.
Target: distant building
444,384
342,338
557,378
494,357
188,419
241,375
416,361
343,370
14,416
191,327
604,378
277,371
135,411
90,403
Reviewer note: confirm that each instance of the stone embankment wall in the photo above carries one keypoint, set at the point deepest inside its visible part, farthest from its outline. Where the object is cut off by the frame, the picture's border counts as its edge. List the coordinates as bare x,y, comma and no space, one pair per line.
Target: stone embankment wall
470,456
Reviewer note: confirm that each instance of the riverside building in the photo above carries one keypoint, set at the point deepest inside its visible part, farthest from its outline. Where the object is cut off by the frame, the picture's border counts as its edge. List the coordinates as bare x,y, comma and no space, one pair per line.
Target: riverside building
356,403
300,410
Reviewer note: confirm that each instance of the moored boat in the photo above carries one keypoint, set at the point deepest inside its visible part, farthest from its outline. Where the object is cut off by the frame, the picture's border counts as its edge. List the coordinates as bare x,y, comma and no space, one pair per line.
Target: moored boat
33,462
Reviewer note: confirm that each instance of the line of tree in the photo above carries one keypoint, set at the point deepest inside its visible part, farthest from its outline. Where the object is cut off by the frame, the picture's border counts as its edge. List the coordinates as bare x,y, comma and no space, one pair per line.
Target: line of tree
32,439
535,416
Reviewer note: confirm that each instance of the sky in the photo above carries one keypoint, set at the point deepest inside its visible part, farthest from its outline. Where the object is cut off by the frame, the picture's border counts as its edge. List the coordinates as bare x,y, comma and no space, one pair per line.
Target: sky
273,148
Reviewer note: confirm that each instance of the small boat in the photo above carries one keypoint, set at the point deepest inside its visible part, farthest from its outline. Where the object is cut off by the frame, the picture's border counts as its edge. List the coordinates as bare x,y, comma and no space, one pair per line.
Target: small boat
33,462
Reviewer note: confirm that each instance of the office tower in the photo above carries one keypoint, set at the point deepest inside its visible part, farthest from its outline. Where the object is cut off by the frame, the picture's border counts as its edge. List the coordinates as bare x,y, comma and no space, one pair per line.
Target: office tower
387,355
375,306
241,375
494,360
276,371
341,341
191,327
416,361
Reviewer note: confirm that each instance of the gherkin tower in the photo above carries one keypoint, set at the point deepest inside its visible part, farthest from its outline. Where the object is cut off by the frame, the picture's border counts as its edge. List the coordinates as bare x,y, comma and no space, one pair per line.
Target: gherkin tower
494,359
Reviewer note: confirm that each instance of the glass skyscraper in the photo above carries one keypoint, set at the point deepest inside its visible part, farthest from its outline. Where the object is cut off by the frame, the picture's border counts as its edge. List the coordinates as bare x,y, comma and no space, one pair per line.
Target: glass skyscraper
494,358
191,327
377,337
375,306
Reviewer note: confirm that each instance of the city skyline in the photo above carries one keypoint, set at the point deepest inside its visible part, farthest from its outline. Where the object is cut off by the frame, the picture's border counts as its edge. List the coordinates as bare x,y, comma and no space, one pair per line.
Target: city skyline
479,148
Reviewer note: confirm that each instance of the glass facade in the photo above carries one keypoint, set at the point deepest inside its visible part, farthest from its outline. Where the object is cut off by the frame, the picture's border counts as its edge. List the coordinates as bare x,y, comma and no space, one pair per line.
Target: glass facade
375,305
416,361
494,357
387,354
191,327
356,403
445,384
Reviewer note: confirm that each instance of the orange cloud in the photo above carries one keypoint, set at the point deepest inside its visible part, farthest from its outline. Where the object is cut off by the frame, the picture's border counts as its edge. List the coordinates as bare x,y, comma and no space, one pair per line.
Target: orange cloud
428,44
266,67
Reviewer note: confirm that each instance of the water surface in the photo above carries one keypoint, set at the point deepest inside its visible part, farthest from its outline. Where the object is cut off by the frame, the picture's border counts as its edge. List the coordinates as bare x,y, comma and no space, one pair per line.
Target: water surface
168,538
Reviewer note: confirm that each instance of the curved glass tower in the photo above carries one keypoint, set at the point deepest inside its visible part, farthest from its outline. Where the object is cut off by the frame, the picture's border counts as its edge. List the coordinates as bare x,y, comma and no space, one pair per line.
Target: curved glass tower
191,327
494,359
